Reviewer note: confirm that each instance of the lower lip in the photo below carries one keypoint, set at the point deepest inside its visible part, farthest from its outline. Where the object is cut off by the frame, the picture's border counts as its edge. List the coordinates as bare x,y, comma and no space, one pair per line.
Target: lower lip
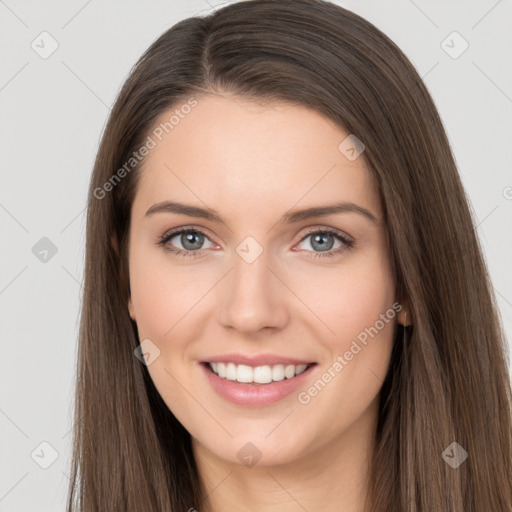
252,394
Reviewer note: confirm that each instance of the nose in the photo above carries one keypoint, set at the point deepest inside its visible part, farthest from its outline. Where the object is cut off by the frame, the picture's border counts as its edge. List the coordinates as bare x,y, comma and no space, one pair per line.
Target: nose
253,297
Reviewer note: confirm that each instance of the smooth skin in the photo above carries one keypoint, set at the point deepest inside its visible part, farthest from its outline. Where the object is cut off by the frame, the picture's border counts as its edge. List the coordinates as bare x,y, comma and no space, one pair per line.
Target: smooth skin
251,163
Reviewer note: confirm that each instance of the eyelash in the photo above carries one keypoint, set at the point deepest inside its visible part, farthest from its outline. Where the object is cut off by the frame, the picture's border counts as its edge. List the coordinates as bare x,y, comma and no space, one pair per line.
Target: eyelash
347,243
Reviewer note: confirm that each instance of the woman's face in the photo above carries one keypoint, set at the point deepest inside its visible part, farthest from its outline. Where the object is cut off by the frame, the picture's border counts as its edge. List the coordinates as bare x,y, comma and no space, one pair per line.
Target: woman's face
264,285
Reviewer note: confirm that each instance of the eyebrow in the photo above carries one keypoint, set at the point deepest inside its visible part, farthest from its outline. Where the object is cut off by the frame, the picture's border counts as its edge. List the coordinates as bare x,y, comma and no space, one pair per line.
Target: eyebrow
288,218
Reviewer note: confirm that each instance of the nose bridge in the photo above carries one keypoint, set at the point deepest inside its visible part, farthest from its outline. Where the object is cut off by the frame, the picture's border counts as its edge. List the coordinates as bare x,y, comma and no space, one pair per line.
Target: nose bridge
253,298
250,274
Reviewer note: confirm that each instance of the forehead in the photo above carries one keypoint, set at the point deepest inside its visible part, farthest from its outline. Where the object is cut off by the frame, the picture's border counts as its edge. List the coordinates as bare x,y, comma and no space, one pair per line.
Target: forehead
230,149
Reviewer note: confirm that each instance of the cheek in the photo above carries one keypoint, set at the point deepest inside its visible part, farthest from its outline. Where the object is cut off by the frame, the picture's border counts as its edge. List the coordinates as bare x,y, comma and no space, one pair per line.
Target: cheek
351,299
163,300
161,292
357,306
152,298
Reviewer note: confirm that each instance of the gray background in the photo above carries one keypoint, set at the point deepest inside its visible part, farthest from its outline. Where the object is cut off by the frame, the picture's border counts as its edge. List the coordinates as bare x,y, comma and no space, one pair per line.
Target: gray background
52,113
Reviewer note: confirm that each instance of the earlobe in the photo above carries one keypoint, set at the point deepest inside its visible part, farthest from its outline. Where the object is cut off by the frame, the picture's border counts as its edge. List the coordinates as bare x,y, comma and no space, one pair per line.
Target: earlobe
130,309
403,317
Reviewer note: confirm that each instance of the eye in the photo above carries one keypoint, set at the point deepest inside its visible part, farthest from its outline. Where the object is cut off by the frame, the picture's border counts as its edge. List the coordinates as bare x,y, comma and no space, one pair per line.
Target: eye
191,241
323,241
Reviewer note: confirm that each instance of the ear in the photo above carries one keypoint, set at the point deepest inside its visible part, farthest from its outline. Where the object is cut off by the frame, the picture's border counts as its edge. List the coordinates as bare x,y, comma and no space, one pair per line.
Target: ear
130,309
403,317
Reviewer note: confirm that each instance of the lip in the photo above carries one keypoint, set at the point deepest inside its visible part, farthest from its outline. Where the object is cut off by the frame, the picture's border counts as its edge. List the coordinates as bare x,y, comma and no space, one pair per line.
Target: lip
259,360
253,394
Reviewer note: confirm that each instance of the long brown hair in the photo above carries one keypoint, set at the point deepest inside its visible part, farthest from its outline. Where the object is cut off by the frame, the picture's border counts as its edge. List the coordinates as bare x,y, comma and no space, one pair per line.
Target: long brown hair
448,379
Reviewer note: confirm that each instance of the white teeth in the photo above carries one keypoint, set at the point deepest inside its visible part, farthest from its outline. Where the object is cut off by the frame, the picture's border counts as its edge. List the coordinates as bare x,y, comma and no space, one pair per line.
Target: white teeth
300,368
231,371
221,370
259,374
289,371
278,372
262,374
244,373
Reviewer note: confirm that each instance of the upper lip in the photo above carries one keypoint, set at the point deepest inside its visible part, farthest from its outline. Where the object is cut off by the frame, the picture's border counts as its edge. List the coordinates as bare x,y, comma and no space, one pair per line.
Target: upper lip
256,360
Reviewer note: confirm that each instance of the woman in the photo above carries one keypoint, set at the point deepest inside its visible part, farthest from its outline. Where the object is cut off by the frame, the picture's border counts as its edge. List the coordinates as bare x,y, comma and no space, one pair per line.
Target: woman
285,302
